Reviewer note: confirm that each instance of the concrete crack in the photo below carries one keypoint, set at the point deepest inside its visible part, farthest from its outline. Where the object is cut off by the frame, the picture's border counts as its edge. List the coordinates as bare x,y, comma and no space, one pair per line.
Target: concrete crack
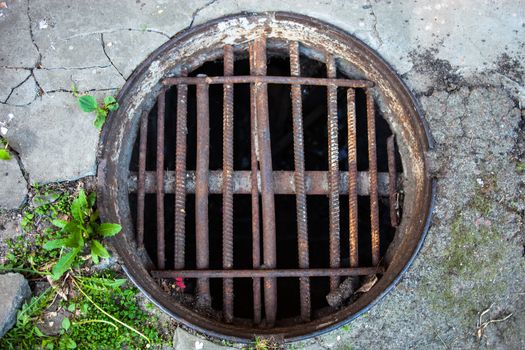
76,68
39,59
196,12
81,92
57,68
148,30
25,173
374,26
16,87
109,59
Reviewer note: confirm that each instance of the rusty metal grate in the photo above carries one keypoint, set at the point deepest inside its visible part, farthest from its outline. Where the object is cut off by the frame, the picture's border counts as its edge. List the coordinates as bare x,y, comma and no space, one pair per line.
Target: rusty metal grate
170,231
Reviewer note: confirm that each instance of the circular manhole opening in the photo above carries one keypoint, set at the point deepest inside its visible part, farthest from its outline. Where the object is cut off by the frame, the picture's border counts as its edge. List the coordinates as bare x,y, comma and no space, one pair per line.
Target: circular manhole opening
274,163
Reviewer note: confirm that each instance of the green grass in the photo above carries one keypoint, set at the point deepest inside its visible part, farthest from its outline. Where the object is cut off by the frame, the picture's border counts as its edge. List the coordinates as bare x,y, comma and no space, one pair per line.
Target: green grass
101,312
25,334
87,327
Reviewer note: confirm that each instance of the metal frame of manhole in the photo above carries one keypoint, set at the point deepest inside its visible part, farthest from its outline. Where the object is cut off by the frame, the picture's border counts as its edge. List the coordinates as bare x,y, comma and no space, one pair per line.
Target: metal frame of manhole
252,35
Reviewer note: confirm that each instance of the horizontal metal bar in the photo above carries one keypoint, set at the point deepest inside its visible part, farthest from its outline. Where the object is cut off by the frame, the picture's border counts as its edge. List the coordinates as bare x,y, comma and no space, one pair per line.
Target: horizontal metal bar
340,271
245,79
316,182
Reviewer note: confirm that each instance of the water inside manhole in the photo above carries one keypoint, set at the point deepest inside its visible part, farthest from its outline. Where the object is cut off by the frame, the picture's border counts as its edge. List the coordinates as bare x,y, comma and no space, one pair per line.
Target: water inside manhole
259,255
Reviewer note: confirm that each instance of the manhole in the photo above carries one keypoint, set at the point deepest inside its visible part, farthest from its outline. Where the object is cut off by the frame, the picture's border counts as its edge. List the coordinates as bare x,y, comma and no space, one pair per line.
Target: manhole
270,160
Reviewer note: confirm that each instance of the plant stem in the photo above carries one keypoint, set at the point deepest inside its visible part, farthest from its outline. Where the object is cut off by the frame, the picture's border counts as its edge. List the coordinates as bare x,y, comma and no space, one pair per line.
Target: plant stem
95,321
107,314
17,269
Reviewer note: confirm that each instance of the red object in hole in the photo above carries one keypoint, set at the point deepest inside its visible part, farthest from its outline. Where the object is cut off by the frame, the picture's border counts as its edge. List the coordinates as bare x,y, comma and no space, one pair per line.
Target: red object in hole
179,281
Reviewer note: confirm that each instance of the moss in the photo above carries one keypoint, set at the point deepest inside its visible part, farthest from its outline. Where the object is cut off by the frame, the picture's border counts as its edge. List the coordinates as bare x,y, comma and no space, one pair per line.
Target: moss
483,194
467,243
520,167
467,278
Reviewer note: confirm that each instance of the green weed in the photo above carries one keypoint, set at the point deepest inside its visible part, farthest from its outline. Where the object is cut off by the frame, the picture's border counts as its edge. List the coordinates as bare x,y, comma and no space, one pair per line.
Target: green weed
102,314
4,151
89,104
80,232
25,334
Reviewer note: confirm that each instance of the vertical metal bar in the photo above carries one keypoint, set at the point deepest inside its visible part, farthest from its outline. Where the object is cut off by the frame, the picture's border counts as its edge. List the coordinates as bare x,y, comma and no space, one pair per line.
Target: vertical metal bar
265,164
141,192
227,189
372,173
201,192
392,180
300,192
256,235
352,179
180,174
333,171
160,180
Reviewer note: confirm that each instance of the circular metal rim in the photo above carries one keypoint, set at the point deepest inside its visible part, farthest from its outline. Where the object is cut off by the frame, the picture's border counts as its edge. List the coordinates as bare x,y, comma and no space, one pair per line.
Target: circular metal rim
111,192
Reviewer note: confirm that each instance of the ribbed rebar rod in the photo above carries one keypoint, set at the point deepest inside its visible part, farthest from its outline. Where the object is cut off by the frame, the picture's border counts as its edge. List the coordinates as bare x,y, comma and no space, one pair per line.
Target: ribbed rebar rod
300,192
333,171
227,188
316,182
340,271
256,234
141,182
161,249
267,194
392,180
240,79
352,179
180,174
201,192
372,172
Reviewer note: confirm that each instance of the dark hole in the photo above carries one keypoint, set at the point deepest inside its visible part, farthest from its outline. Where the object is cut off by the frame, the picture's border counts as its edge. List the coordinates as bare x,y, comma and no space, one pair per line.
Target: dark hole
316,158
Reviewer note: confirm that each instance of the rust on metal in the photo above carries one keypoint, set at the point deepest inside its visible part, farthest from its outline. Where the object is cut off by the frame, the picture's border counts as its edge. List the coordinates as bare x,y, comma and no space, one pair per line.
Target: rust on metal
141,191
333,170
264,153
264,79
274,273
254,190
359,70
180,174
227,188
392,180
161,102
299,182
201,192
352,180
244,182
372,172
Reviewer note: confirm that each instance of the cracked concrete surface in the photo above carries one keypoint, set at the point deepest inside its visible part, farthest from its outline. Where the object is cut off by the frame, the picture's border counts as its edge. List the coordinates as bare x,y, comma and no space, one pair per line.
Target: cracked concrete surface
463,60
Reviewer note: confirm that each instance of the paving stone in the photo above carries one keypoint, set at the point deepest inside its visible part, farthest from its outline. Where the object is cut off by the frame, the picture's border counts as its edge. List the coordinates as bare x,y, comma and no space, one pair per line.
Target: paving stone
85,51
24,94
55,139
14,289
15,42
9,226
81,18
127,49
99,78
183,340
10,78
13,186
